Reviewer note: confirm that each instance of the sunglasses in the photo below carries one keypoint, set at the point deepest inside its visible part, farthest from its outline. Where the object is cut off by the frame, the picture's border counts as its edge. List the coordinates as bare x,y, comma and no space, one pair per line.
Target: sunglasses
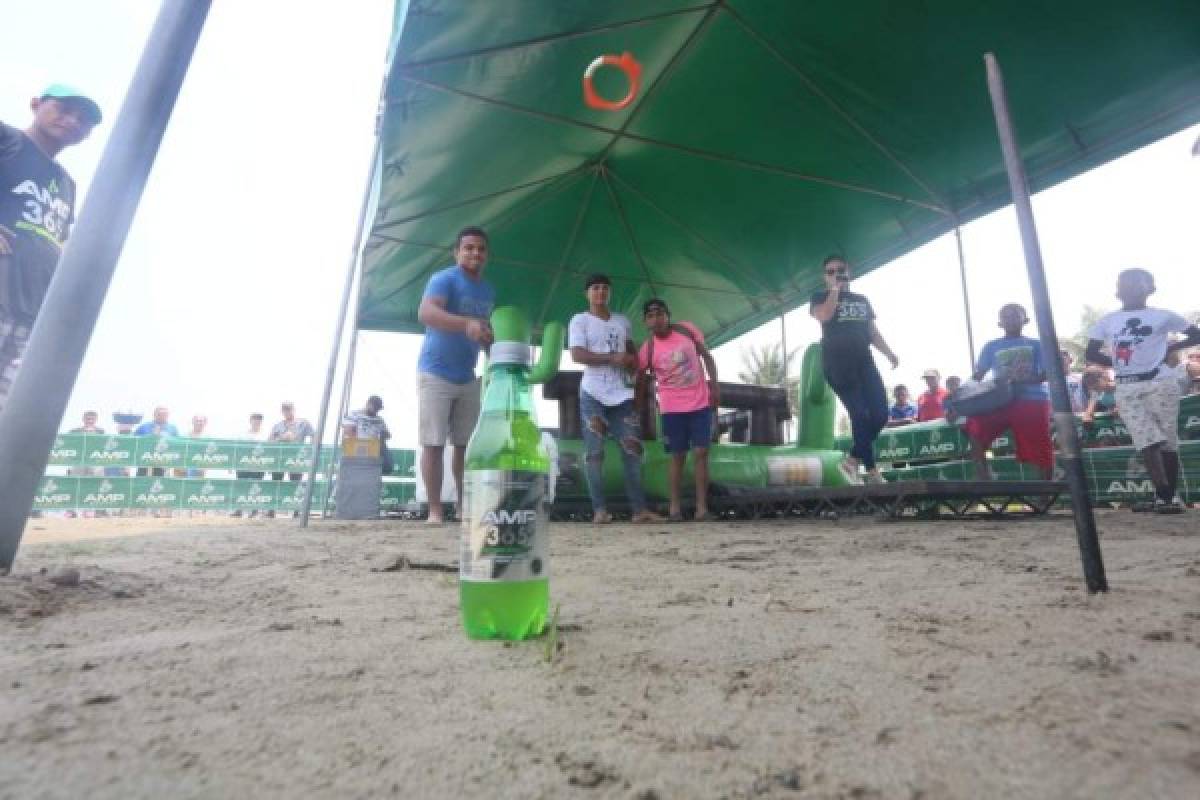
840,272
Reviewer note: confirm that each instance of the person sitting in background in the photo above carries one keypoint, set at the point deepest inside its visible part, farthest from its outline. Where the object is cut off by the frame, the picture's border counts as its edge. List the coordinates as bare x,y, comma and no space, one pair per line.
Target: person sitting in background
952,384
902,412
1100,385
1076,393
931,404
367,424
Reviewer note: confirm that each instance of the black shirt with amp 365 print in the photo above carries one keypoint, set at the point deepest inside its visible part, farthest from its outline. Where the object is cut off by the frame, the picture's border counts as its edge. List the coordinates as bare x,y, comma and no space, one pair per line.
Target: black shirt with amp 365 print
37,203
846,337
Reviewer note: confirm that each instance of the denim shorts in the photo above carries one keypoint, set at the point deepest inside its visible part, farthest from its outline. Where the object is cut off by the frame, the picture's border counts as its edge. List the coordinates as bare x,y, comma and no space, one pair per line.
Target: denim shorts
686,430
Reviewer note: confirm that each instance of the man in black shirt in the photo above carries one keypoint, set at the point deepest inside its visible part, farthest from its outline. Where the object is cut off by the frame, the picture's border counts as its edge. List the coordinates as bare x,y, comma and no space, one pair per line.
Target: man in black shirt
37,207
847,333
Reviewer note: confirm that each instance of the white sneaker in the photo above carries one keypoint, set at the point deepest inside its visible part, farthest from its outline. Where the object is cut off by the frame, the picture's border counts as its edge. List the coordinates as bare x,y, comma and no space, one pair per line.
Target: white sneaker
874,476
849,469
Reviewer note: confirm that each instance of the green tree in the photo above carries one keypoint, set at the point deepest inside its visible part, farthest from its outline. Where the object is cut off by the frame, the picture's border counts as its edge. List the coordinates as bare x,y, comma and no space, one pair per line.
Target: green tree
766,366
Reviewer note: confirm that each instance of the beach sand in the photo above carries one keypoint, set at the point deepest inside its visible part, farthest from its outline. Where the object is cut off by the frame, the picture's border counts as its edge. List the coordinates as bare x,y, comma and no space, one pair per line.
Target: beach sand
860,658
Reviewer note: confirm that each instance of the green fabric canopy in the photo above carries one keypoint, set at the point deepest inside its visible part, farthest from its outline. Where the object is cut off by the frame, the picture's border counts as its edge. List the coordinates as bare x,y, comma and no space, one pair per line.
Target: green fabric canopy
766,135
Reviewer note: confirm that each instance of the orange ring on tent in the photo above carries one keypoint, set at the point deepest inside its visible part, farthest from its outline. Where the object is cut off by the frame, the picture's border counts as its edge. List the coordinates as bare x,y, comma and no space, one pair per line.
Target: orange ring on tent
624,62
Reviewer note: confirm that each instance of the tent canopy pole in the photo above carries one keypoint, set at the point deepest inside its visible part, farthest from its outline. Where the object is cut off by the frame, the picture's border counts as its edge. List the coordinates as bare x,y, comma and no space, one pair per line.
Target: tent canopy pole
1064,420
962,275
68,316
347,294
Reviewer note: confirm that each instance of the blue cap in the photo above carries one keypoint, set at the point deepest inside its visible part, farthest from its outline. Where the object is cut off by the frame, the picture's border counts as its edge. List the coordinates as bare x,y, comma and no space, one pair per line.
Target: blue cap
63,92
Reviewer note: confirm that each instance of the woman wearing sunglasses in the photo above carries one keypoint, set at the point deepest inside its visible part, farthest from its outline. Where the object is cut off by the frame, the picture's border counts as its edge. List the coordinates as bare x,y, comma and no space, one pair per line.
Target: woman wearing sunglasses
847,333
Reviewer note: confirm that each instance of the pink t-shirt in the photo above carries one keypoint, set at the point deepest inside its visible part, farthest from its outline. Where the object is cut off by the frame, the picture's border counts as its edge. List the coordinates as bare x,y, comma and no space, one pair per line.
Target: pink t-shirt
678,371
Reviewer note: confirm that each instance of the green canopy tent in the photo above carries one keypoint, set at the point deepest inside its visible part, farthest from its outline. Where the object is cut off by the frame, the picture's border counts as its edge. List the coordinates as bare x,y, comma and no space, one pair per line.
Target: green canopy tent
766,135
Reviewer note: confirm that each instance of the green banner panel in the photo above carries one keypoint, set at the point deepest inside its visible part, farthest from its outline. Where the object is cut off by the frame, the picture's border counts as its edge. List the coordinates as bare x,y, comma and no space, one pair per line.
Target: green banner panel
161,452
254,495
109,451
211,454
67,450
54,494
103,493
157,493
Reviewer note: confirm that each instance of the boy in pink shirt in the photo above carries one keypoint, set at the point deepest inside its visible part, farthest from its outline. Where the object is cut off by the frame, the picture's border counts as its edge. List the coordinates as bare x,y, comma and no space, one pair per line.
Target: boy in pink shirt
672,357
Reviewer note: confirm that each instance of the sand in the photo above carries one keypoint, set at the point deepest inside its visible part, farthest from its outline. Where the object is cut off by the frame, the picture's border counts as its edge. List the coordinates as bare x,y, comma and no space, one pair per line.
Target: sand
215,657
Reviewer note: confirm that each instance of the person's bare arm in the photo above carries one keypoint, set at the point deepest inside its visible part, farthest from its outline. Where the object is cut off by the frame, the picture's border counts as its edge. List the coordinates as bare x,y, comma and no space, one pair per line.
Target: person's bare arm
433,314
824,311
581,355
1191,337
882,346
710,366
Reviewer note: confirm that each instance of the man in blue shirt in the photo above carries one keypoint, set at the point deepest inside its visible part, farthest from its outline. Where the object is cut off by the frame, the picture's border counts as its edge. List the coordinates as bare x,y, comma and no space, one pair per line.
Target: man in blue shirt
159,426
1018,360
454,310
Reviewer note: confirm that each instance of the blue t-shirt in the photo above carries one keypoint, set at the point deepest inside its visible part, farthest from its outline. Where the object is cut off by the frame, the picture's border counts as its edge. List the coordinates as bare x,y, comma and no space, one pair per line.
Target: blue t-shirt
452,356
152,428
908,411
1017,359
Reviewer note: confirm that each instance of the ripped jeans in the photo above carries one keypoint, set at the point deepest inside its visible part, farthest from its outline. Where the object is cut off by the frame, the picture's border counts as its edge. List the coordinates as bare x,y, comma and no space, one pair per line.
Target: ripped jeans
621,423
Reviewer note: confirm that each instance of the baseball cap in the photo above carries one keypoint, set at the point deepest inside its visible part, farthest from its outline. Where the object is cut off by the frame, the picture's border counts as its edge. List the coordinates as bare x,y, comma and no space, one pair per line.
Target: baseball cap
931,373
62,91
655,304
594,278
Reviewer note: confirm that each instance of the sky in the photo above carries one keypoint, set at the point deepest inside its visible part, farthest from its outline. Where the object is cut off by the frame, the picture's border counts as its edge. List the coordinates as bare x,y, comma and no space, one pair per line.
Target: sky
225,298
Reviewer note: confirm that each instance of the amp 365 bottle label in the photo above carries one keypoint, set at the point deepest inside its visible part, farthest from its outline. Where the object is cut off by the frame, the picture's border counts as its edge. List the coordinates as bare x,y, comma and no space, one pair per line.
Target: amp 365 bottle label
504,526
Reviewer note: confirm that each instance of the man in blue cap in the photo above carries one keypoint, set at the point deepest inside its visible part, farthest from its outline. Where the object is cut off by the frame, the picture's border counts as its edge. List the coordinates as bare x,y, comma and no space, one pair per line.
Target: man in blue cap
37,207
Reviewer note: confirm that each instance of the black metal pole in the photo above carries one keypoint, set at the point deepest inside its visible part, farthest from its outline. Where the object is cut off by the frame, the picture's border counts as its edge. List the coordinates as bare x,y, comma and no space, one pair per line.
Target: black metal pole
64,325
1064,420
962,274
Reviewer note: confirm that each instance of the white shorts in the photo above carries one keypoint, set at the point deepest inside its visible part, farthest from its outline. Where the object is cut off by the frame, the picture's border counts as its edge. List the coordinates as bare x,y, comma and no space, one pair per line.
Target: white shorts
446,410
1150,410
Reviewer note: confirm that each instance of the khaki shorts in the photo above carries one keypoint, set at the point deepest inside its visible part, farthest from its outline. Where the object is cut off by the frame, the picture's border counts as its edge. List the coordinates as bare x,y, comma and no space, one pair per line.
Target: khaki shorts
1150,410
445,410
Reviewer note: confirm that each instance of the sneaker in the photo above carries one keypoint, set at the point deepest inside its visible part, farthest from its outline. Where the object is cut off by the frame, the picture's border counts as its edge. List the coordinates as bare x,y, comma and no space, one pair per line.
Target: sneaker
874,476
601,518
1172,506
849,469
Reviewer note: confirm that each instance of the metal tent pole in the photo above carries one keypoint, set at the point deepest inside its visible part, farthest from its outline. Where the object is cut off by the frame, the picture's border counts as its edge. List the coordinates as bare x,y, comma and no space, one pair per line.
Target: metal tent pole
1064,420
962,274
68,316
347,293
783,380
343,408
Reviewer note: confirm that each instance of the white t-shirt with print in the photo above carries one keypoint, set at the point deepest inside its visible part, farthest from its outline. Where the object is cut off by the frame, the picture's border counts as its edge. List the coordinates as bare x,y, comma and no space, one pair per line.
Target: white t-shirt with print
1137,340
610,385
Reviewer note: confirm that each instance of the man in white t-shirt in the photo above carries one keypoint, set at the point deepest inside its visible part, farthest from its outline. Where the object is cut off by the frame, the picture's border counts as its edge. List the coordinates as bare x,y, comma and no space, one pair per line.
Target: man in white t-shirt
602,342
1138,339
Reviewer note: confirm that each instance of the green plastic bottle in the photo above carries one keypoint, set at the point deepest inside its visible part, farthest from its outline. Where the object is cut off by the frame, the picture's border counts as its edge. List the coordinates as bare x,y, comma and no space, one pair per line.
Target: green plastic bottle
504,554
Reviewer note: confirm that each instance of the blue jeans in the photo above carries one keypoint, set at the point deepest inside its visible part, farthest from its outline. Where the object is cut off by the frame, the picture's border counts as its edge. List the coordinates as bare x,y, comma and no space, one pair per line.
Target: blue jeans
621,423
861,391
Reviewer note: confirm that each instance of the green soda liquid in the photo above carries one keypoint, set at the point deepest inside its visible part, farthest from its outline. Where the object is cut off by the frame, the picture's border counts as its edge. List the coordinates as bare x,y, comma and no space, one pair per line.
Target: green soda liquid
506,470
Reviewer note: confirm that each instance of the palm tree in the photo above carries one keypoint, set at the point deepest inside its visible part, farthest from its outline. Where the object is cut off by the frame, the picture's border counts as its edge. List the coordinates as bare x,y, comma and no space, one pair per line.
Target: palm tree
766,366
